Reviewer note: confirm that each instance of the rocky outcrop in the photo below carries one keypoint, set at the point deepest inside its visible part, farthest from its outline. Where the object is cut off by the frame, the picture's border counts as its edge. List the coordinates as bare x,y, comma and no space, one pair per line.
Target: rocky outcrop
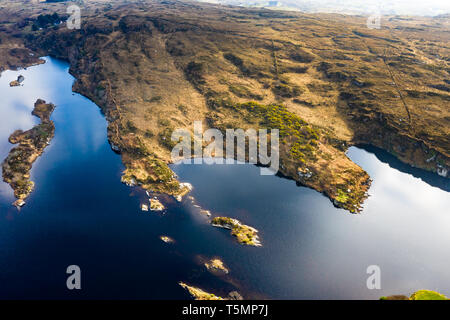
216,265
199,294
156,205
166,239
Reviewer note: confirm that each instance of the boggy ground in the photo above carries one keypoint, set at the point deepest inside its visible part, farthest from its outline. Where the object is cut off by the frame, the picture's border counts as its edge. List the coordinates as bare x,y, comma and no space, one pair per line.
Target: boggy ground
326,80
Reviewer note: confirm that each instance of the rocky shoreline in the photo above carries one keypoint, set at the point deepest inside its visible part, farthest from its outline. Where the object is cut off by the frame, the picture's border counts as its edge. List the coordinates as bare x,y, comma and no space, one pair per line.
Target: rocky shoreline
17,165
216,265
199,294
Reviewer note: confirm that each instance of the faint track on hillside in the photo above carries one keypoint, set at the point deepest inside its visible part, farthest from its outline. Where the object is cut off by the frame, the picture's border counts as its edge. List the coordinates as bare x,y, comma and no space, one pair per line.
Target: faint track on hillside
111,96
405,105
397,86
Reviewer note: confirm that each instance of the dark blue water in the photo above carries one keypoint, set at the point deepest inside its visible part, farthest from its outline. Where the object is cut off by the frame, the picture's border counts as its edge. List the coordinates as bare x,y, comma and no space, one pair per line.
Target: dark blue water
81,214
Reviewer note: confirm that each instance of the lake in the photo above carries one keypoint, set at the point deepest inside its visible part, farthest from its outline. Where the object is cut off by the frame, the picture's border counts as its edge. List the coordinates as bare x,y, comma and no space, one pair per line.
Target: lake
80,213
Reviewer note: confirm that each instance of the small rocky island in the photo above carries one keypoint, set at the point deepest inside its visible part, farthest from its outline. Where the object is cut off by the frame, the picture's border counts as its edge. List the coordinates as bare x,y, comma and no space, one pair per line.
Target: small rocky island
199,294
17,165
216,265
156,205
167,239
16,83
244,234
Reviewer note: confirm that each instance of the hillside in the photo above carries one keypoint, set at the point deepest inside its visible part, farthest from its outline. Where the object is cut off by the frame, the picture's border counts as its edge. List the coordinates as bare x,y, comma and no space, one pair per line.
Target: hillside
325,81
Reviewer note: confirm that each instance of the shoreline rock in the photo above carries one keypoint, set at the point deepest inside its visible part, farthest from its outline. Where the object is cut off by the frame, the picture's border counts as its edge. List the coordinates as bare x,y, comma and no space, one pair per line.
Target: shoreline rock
199,294
185,188
205,212
16,83
156,205
166,239
198,207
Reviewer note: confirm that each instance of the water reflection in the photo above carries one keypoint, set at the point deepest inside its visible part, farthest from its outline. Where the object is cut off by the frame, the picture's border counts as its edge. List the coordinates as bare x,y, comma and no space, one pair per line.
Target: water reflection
429,177
313,250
